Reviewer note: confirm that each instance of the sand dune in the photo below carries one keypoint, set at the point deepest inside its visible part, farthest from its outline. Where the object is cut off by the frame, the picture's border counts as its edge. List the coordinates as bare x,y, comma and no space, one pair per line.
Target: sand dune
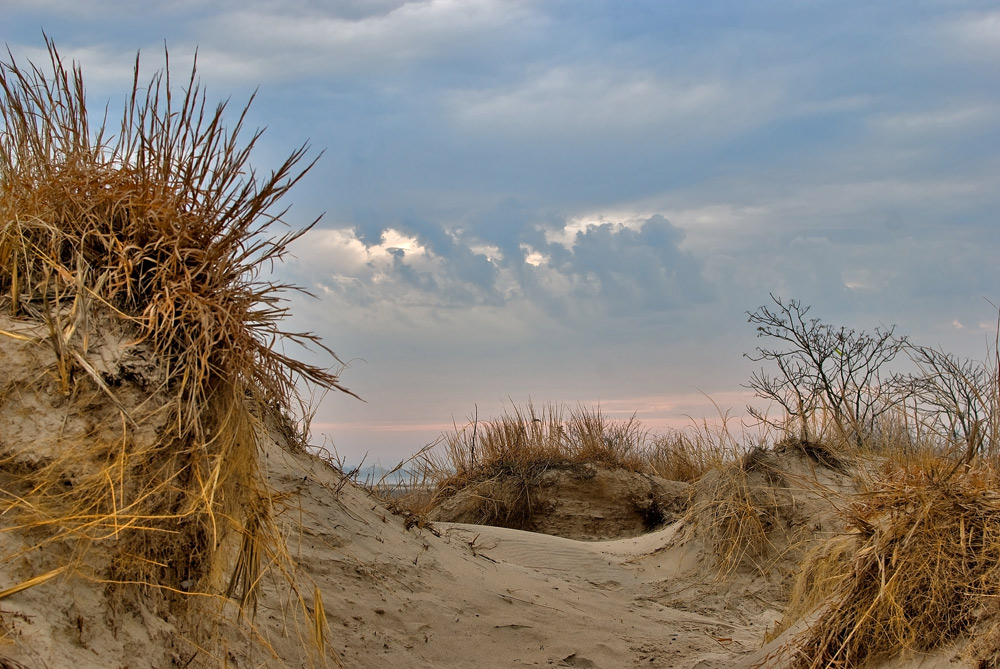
485,596
445,595
364,590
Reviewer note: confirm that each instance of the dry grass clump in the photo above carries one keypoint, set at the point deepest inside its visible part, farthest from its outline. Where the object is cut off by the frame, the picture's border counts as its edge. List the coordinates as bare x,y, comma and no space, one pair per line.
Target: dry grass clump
507,457
824,567
927,566
677,456
524,439
688,454
164,232
738,506
522,469
765,509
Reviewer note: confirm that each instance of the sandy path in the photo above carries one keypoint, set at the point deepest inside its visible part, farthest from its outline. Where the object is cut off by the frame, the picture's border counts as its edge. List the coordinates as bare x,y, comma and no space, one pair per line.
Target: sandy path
480,596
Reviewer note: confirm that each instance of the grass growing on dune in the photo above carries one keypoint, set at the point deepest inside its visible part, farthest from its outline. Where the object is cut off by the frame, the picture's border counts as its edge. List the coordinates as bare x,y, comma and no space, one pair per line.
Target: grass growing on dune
523,437
159,228
506,457
926,569
918,567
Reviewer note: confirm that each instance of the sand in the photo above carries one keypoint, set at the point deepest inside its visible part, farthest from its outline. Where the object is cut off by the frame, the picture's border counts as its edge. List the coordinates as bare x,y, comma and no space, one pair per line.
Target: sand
398,594
461,595
482,596
446,595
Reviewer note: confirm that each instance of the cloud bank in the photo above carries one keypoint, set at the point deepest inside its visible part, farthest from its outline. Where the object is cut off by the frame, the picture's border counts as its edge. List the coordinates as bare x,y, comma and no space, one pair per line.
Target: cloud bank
580,201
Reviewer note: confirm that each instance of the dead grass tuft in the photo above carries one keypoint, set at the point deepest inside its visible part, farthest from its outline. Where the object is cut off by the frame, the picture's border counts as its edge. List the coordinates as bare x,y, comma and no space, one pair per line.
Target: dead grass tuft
927,566
507,460
738,506
159,228
824,567
509,454
687,455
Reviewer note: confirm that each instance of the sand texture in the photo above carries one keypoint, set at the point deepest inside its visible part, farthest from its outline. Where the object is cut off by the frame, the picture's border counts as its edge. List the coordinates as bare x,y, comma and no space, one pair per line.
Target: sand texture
367,588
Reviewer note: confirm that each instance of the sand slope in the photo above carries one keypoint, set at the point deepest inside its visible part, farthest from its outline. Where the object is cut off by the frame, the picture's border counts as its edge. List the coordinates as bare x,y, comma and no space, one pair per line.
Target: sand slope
482,596
436,595
448,595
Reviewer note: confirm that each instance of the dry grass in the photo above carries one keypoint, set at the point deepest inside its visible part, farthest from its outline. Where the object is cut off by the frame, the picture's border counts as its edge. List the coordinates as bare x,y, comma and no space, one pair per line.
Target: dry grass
162,230
524,437
927,566
688,454
530,439
506,457
737,513
823,569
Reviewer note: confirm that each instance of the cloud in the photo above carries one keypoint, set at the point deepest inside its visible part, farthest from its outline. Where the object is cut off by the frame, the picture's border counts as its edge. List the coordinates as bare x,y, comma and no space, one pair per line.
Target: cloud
520,191
601,103
976,35
631,270
604,268
107,69
259,42
966,117
254,43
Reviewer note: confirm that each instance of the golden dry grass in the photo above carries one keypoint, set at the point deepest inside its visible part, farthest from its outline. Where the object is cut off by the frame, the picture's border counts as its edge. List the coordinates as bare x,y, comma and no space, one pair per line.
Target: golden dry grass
926,568
161,229
824,567
506,457
738,516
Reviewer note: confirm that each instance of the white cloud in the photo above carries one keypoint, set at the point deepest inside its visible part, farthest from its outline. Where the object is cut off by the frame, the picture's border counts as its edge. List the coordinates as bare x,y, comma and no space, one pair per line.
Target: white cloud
939,120
107,70
977,35
66,7
598,102
727,216
867,279
266,41
533,257
338,249
256,41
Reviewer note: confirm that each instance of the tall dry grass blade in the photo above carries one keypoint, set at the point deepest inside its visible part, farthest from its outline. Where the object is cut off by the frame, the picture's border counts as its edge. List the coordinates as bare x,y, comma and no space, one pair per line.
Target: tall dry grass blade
319,621
15,335
31,582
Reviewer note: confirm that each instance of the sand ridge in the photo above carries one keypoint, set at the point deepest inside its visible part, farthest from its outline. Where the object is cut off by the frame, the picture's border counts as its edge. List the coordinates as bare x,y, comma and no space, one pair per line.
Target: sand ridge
483,596
397,594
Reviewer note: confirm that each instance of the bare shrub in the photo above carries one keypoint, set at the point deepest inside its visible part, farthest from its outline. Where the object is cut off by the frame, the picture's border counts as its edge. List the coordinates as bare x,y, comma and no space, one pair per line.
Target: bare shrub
820,366
958,399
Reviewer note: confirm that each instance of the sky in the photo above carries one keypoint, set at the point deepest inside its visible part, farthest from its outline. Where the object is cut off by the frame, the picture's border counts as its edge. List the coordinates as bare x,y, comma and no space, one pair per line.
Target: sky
578,201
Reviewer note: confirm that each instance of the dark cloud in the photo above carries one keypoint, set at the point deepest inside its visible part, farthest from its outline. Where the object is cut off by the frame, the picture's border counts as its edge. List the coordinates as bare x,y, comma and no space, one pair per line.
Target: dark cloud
508,224
611,268
630,270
